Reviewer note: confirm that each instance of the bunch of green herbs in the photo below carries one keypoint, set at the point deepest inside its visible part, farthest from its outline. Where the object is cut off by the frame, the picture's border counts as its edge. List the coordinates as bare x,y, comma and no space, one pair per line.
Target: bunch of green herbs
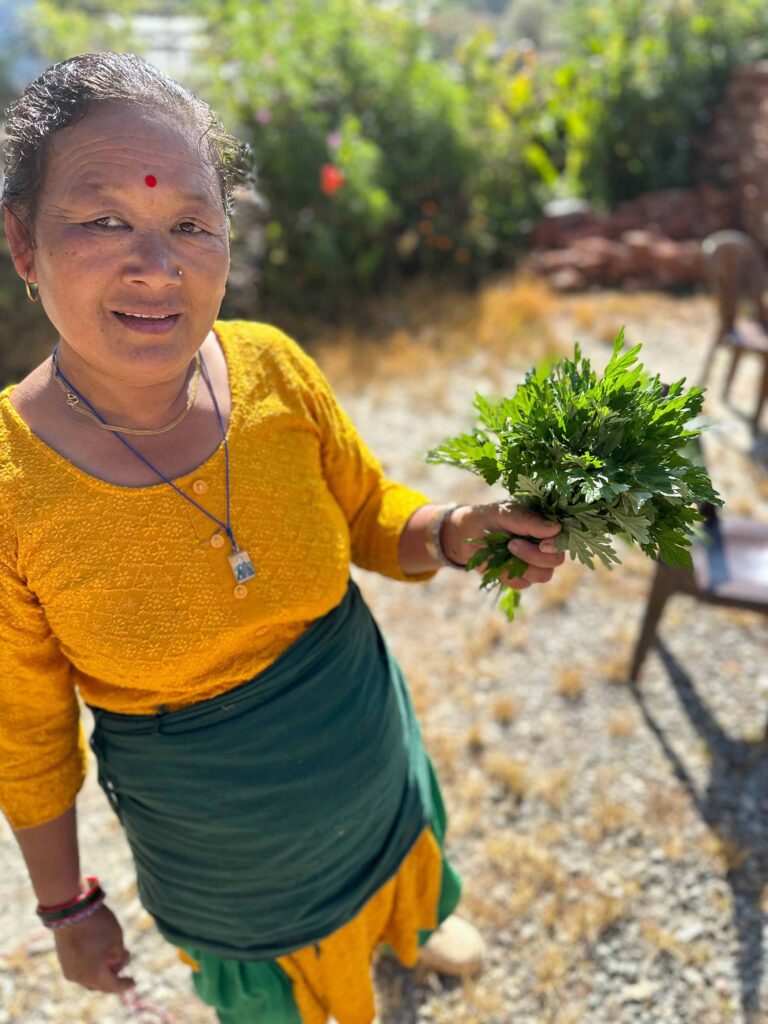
604,457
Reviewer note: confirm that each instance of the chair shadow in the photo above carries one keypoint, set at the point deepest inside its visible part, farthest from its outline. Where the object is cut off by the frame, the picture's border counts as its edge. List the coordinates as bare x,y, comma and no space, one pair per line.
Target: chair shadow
734,806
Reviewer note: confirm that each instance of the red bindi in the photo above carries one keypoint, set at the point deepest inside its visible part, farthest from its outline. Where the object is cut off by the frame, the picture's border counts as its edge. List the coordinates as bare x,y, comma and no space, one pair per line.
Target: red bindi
151,180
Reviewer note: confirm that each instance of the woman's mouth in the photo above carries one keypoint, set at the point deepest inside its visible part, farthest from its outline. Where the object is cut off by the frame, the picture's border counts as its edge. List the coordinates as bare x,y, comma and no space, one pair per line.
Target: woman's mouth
145,323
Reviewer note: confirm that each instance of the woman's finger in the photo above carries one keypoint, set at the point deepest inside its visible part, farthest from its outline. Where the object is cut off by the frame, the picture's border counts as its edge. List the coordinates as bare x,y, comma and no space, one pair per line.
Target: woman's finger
536,575
515,582
106,981
533,555
515,519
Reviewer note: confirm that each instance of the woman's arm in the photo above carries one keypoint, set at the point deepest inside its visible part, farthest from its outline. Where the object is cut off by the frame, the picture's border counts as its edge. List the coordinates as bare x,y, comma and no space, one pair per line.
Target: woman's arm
53,859
470,521
414,558
91,952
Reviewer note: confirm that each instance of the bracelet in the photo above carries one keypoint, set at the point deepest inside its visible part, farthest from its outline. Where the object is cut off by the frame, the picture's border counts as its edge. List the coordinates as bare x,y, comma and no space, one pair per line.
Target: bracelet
81,915
83,901
433,541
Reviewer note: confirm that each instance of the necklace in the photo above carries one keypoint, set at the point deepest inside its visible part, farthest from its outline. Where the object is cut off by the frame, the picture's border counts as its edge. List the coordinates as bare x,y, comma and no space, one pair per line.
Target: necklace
74,398
240,562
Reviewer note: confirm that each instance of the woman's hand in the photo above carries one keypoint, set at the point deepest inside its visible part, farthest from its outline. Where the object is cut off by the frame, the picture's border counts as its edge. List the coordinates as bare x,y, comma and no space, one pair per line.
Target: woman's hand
471,521
92,953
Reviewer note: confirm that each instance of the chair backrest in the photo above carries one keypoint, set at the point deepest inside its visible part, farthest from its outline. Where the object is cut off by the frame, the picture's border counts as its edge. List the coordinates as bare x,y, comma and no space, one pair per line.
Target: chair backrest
735,266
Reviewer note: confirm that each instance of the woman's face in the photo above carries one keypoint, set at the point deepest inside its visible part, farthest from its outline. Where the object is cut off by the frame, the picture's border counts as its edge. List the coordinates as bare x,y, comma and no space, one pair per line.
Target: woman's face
127,202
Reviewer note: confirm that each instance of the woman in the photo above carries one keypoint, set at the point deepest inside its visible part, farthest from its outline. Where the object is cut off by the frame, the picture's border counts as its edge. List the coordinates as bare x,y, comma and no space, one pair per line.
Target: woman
180,499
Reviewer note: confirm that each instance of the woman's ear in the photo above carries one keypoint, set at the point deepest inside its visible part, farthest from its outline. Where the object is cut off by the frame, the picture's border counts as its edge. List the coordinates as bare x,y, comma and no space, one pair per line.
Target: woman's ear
20,242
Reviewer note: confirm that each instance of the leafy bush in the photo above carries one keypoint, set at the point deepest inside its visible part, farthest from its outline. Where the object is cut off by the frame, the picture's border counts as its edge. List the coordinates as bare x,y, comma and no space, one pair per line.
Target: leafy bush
637,85
425,165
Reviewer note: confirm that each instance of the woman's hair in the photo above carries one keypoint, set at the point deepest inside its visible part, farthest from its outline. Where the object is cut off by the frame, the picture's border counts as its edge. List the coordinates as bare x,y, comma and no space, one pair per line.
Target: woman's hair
62,95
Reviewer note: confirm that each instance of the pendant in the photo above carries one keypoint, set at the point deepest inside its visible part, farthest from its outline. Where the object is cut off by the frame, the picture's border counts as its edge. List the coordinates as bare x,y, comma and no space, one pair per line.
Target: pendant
242,566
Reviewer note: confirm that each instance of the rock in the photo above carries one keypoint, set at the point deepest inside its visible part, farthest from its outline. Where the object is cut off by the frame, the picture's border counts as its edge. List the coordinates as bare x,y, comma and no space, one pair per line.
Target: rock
624,969
640,992
692,977
689,932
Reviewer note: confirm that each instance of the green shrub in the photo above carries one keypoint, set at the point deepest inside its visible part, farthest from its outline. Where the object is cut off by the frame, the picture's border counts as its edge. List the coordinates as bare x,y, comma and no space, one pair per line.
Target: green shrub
434,176
637,85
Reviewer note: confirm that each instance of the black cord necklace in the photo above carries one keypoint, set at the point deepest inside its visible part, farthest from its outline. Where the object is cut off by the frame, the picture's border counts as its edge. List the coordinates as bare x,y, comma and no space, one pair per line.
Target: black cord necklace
242,566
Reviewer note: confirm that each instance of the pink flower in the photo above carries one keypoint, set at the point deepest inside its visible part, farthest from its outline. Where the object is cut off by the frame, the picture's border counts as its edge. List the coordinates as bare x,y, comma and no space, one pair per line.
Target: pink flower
263,116
333,140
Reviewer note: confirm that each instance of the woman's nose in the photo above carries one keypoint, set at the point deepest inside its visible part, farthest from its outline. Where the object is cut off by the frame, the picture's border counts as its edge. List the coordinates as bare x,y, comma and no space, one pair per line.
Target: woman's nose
153,260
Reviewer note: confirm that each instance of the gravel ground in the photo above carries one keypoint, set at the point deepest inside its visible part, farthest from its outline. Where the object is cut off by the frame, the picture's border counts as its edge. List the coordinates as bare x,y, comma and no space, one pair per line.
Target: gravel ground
612,838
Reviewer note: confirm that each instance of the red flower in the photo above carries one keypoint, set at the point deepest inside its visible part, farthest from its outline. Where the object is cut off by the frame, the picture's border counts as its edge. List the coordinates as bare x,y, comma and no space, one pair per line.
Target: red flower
331,179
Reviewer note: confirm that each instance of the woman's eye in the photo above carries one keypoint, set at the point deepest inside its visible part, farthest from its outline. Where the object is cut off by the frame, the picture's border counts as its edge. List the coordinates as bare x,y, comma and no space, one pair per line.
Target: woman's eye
190,224
99,221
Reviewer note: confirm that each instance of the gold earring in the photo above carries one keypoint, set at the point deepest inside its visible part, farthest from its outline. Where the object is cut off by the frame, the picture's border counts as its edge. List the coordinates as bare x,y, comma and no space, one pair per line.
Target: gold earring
32,296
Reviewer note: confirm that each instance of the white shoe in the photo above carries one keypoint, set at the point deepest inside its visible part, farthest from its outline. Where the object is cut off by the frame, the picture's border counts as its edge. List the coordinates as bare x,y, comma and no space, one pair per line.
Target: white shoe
456,948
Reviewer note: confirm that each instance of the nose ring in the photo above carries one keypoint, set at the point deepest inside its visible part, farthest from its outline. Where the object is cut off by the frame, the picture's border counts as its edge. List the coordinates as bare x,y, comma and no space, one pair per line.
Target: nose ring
179,272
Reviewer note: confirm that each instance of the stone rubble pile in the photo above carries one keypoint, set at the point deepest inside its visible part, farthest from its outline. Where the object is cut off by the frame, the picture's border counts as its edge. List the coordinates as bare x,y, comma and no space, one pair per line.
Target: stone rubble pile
654,241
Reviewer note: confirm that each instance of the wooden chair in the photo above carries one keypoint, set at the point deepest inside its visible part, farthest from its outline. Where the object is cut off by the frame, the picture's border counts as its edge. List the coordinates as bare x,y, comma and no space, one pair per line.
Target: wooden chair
730,569
735,265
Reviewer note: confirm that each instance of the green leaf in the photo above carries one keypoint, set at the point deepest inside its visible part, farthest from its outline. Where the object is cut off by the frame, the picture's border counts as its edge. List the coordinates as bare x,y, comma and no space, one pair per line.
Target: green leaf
510,602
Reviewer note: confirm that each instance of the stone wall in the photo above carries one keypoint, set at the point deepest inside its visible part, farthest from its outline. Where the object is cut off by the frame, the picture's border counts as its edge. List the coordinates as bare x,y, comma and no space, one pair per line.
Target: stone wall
655,240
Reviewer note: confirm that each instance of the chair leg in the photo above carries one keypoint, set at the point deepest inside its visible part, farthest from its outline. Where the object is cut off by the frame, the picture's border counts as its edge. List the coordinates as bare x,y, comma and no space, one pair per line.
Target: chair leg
703,376
661,589
731,372
762,398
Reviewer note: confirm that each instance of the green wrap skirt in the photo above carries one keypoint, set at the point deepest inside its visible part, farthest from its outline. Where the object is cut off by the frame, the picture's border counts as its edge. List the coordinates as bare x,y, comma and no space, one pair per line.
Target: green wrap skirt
264,820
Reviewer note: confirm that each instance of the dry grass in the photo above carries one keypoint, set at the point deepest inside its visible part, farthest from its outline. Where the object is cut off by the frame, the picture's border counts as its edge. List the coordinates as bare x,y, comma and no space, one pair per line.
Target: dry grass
523,861
665,806
674,848
569,683
505,710
589,916
512,774
725,851
506,326
621,727
554,787
551,966
615,668
474,740
608,817
660,939
481,1002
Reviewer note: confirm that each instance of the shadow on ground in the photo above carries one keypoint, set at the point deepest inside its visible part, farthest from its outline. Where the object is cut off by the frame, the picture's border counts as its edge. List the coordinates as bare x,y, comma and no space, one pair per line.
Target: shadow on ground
402,992
734,806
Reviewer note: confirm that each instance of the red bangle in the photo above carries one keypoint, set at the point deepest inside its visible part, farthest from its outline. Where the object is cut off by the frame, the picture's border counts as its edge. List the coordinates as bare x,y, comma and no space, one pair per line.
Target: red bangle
78,916
93,883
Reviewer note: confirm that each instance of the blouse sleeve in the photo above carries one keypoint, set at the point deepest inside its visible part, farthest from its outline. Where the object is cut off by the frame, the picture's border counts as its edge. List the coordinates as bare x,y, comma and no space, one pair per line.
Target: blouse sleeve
375,507
43,753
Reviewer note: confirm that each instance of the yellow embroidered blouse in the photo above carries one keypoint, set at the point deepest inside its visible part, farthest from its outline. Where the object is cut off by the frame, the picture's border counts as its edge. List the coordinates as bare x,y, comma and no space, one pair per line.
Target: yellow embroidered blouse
125,595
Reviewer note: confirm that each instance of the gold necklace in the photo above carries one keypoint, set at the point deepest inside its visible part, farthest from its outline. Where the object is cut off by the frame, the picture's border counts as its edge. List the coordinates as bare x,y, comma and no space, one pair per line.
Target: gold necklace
74,402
